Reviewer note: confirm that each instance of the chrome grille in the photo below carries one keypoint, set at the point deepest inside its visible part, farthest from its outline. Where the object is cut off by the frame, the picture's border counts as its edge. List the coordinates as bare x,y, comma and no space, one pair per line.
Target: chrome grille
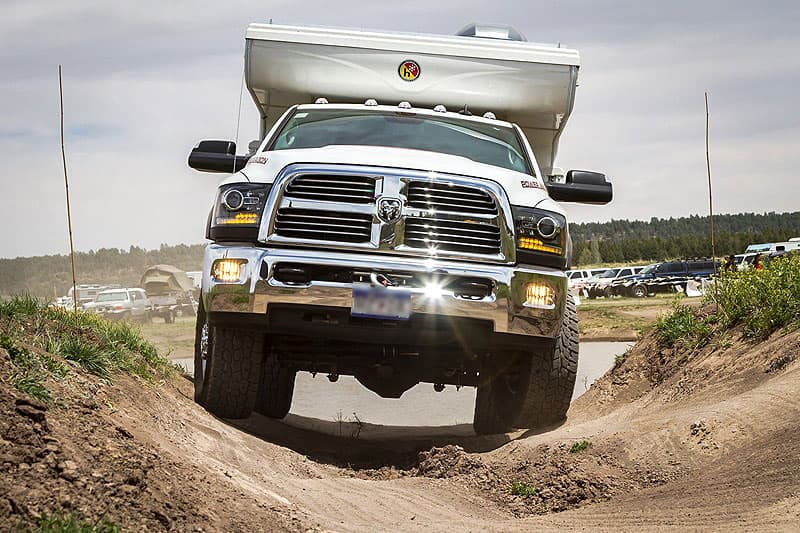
334,188
319,225
449,197
452,236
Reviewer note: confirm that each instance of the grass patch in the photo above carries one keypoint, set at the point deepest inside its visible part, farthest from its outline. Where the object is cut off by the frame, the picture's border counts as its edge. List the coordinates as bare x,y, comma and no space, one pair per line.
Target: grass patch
70,523
761,300
682,325
95,344
578,447
523,488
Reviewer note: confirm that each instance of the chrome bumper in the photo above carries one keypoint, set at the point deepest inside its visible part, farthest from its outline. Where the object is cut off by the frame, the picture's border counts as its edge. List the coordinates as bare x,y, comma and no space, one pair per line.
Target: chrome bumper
505,307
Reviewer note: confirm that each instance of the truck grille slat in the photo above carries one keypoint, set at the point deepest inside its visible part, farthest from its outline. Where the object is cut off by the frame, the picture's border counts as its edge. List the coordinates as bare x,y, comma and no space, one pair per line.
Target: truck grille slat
318,225
465,237
447,197
355,189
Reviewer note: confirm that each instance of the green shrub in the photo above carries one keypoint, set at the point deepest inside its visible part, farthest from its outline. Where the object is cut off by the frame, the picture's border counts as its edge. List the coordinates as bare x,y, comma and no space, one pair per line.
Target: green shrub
522,488
579,446
682,325
70,523
761,300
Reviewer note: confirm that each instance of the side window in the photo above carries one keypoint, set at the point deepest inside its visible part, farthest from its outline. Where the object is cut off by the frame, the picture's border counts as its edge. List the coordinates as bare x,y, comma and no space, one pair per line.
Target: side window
624,272
676,268
134,296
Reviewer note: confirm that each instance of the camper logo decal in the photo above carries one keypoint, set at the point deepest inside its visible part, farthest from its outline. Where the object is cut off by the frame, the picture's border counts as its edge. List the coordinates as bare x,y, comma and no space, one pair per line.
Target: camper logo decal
409,70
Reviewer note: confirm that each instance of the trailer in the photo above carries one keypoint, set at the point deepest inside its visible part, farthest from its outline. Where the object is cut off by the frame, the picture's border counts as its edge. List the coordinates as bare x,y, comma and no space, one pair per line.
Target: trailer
170,292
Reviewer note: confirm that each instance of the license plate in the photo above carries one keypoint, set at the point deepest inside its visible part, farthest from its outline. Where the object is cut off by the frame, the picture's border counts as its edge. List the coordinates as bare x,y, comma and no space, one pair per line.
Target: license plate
380,302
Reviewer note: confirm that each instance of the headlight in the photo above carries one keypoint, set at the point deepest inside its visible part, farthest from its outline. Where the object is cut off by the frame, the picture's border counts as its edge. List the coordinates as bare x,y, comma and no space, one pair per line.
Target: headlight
237,212
541,236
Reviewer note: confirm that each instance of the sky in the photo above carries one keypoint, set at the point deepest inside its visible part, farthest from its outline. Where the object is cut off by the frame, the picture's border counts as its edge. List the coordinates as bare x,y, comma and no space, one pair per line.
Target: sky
145,80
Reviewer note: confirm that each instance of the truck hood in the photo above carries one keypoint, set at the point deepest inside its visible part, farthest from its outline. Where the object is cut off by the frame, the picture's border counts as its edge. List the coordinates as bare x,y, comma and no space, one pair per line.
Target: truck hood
522,189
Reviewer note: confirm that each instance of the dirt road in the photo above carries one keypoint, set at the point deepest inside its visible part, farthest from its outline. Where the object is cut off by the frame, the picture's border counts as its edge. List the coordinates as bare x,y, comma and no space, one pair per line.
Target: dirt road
668,440
708,445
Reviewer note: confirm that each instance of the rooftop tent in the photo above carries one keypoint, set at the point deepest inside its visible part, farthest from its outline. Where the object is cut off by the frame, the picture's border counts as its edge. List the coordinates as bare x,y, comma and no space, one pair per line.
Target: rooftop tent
530,84
165,279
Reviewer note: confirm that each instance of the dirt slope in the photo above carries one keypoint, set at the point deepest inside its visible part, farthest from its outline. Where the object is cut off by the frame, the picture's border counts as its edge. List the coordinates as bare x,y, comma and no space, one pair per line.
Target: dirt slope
675,441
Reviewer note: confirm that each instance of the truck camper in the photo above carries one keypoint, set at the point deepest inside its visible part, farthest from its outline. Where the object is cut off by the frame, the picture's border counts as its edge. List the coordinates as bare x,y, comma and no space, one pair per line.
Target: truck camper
397,222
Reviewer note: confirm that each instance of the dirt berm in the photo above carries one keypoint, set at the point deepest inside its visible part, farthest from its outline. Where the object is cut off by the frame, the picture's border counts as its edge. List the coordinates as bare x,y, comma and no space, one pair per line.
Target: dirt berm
667,440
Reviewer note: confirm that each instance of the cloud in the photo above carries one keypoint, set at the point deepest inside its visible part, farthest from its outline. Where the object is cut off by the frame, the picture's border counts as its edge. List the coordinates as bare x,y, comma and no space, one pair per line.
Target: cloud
145,80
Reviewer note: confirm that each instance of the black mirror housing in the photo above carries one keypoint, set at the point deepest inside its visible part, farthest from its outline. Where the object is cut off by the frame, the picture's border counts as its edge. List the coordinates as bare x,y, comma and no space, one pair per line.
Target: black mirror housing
216,156
582,186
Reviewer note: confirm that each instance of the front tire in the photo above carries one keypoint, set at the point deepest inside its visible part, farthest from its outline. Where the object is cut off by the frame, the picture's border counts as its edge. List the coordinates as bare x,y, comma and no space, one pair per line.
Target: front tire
533,390
227,365
639,291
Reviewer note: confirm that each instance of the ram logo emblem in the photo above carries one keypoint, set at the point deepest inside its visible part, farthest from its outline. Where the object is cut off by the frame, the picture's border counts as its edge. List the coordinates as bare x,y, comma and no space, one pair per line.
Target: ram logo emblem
389,209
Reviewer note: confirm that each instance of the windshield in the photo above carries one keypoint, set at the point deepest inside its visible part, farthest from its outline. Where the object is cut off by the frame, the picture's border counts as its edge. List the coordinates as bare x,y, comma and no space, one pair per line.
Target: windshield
648,269
609,273
484,143
112,297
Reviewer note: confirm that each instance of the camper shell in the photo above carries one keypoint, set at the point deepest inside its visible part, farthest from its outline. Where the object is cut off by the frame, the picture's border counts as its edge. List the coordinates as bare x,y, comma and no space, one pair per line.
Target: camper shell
411,255
529,84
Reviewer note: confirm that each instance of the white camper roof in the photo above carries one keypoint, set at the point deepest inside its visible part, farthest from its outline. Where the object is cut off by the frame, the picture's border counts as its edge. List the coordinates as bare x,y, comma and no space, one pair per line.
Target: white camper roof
532,85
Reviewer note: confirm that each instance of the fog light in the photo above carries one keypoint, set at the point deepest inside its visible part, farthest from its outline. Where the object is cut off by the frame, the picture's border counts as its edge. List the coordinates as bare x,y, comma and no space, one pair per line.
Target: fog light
228,270
540,295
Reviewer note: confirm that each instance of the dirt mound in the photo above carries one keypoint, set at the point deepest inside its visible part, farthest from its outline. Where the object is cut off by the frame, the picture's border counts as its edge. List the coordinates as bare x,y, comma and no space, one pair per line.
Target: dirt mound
70,459
727,365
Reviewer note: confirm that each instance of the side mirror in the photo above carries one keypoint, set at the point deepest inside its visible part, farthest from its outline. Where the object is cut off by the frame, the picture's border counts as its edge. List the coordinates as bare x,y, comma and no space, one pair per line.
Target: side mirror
217,156
582,186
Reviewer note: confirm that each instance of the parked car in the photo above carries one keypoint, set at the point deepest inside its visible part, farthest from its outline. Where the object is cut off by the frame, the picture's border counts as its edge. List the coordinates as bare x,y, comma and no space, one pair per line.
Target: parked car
601,285
121,304
664,277
576,279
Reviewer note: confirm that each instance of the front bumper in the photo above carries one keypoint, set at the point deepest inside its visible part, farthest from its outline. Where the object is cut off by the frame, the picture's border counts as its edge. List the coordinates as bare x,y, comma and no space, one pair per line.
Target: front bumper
506,307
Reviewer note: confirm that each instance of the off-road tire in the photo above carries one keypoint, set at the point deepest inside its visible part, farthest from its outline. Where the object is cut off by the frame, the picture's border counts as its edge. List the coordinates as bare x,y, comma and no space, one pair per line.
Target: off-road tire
639,291
608,292
276,389
534,390
199,376
233,369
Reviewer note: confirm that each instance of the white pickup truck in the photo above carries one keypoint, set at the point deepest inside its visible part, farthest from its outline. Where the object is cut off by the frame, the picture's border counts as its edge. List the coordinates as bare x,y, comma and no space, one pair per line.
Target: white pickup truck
398,222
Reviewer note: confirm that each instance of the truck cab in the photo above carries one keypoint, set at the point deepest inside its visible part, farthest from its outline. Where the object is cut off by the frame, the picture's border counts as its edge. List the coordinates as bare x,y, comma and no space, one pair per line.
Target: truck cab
395,242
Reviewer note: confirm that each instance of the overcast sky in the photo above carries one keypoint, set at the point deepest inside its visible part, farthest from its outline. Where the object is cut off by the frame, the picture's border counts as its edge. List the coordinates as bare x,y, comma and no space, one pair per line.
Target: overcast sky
145,80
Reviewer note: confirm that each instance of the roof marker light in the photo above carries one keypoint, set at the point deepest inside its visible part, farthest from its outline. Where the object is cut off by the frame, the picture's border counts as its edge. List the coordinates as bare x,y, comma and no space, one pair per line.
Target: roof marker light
490,115
440,109
371,102
321,101
404,105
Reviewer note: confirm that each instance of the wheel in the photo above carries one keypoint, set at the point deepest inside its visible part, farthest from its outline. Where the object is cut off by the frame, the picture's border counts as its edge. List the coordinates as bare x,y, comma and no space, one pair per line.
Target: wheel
608,292
229,385
169,317
276,388
531,390
639,291
202,340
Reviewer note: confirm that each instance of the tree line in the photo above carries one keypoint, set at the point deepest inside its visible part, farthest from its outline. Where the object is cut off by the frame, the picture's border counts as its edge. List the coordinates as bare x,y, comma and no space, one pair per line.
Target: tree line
660,239
49,276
